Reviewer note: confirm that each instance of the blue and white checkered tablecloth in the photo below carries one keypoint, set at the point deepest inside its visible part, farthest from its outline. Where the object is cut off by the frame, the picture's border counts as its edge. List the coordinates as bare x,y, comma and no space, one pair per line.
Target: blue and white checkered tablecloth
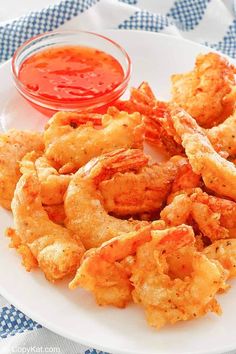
210,22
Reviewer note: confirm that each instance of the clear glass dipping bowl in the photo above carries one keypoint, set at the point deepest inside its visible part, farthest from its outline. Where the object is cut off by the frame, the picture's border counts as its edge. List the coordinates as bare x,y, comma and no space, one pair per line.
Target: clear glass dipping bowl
66,38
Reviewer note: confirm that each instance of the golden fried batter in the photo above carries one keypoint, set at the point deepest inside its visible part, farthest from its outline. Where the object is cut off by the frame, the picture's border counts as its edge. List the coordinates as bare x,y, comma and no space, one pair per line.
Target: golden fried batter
214,216
224,208
223,136
144,101
69,145
102,274
145,191
53,246
223,251
56,213
13,146
208,92
178,211
53,184
218,174
166,297
85,213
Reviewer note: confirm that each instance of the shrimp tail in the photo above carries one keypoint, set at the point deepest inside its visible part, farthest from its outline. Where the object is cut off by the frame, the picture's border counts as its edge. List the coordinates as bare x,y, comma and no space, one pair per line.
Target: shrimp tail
120,160
175,238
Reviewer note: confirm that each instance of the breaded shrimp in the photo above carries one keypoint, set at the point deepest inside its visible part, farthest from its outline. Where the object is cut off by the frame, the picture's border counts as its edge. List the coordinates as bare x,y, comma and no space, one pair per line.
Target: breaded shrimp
53,184
101,273
144,101
28,260
214,216
185,182
226,209
69,145
208,222
208,92
178,211
85,213
52,246
168,298
218,174
142,192
223,251
13,146
56,213
223,136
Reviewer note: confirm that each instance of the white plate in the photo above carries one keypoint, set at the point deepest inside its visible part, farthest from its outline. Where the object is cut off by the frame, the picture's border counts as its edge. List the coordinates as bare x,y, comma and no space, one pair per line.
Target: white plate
74,314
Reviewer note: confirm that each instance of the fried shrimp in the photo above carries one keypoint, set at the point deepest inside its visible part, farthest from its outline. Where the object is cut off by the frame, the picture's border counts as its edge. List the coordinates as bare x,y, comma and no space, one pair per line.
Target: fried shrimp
102,273
226,208
223,251
56,213
208,222
223,136
52,246
218,174
143,192
53,184
168,298
13,146
89,204
70,143
178,211
207,92
214,216
182,210
143,100
85,213
186,181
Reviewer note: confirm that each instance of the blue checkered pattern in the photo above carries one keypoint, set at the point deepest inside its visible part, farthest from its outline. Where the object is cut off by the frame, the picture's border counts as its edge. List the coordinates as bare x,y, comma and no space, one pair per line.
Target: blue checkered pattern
13,34
188,13
12,321
184,14
145,20
93,351
228,43
130,2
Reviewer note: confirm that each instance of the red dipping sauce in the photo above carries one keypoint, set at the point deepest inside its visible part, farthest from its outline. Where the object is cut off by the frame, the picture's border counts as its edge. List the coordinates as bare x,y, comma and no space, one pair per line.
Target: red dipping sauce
70,73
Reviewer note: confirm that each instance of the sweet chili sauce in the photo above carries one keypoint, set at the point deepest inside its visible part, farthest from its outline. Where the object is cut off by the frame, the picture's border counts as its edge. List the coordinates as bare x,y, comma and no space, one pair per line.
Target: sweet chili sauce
70,73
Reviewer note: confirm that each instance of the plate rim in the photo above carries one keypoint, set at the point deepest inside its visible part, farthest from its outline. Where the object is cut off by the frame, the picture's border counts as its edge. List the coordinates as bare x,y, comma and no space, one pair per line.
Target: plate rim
50,326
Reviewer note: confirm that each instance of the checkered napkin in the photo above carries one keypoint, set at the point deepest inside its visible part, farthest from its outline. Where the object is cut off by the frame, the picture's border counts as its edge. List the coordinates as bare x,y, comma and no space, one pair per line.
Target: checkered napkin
210,22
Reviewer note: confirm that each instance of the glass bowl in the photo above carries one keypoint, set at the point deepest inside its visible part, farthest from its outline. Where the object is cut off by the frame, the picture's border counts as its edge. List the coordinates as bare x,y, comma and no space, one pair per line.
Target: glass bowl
67,38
